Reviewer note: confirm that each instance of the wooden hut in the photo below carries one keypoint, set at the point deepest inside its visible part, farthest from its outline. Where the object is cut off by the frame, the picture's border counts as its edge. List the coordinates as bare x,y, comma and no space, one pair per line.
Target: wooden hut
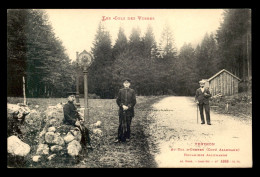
224,83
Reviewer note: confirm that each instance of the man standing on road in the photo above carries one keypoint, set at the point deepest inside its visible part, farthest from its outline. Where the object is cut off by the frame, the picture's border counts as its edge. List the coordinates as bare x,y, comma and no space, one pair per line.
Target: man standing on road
126,101
73,117
202,99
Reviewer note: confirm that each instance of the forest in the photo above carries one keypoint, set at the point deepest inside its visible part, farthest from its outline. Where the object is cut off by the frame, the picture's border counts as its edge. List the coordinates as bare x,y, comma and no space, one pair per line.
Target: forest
155,67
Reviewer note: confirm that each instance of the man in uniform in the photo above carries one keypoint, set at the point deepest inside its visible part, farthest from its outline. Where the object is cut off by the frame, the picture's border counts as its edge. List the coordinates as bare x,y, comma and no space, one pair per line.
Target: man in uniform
202,99
126,101
73,117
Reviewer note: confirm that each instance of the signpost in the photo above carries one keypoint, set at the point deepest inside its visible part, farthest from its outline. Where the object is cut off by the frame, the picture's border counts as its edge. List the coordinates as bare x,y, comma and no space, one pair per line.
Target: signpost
77,81
85,60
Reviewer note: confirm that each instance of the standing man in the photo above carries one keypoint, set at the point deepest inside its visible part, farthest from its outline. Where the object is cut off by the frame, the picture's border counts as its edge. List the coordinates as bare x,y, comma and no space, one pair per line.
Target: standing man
73,117
126,101
202,99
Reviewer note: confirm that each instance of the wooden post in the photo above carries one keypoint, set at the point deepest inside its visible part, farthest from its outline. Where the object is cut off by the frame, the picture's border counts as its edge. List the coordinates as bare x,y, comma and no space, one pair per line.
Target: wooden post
86,60
77,81
24,96
86,112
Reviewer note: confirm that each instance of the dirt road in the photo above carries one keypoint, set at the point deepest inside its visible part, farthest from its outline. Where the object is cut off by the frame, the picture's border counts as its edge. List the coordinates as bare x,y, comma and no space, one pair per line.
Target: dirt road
182,142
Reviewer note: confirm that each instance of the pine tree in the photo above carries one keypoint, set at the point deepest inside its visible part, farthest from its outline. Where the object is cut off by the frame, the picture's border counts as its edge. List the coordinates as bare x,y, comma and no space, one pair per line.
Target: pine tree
166,62
100,71
206,56
234,41
34,52
121,44
135,43
149,43
186,71
136,62
118,53
16,51
166,45
129,62
124,67
149,58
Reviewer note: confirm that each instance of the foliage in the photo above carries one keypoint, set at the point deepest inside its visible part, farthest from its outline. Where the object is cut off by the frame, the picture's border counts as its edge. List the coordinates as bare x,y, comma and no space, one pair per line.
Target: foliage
234,42
207,57
187,73
167,43
239,105
35,52
100,71
141,62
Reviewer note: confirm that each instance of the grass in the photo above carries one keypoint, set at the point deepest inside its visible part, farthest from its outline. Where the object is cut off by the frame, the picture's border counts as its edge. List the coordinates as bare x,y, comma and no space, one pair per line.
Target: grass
106,153
239,105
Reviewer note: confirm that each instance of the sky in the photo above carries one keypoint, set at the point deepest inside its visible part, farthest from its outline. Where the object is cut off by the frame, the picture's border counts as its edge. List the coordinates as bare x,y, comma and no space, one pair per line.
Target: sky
76,28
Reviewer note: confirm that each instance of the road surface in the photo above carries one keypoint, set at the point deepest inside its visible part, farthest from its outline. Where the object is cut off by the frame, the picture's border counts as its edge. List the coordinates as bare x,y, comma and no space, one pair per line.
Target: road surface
182,142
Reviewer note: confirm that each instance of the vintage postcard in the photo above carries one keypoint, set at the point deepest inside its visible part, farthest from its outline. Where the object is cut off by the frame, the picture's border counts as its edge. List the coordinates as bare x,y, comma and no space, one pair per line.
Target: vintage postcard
129,88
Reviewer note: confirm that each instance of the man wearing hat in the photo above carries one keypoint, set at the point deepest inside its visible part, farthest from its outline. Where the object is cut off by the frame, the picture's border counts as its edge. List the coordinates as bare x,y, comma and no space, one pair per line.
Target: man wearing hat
73,117
126,101
202,99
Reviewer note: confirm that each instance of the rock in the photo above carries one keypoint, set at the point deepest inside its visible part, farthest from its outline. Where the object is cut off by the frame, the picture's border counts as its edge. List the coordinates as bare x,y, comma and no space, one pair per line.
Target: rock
34,111
59,106
36,158
17,147
98,124
56,148
42,136
76,133
69,137
51,156
20,109
55,113
74,148
51,107
97,132
43,149
36,106
51,129
57,135
49,137
52,121
49,114
58,140
34,119
64,129
54,138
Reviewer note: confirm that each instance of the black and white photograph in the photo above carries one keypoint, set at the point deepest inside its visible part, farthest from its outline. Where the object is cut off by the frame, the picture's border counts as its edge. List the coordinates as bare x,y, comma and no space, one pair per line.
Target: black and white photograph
129,88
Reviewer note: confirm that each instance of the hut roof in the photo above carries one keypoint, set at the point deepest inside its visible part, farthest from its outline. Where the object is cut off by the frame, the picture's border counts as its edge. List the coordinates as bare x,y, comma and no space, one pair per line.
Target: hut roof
223,70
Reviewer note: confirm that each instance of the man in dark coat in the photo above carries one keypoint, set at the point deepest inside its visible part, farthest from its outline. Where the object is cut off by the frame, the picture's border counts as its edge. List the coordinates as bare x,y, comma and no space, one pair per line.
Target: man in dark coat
126,101
202,99
73,117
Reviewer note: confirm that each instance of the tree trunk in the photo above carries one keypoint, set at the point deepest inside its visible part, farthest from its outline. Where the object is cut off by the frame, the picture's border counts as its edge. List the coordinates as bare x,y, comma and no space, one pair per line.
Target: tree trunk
248,56
24,95
248,62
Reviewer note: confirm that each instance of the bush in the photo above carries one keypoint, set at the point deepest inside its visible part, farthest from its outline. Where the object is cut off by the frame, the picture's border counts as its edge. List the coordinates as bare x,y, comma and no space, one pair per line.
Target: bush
33,124
243,87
